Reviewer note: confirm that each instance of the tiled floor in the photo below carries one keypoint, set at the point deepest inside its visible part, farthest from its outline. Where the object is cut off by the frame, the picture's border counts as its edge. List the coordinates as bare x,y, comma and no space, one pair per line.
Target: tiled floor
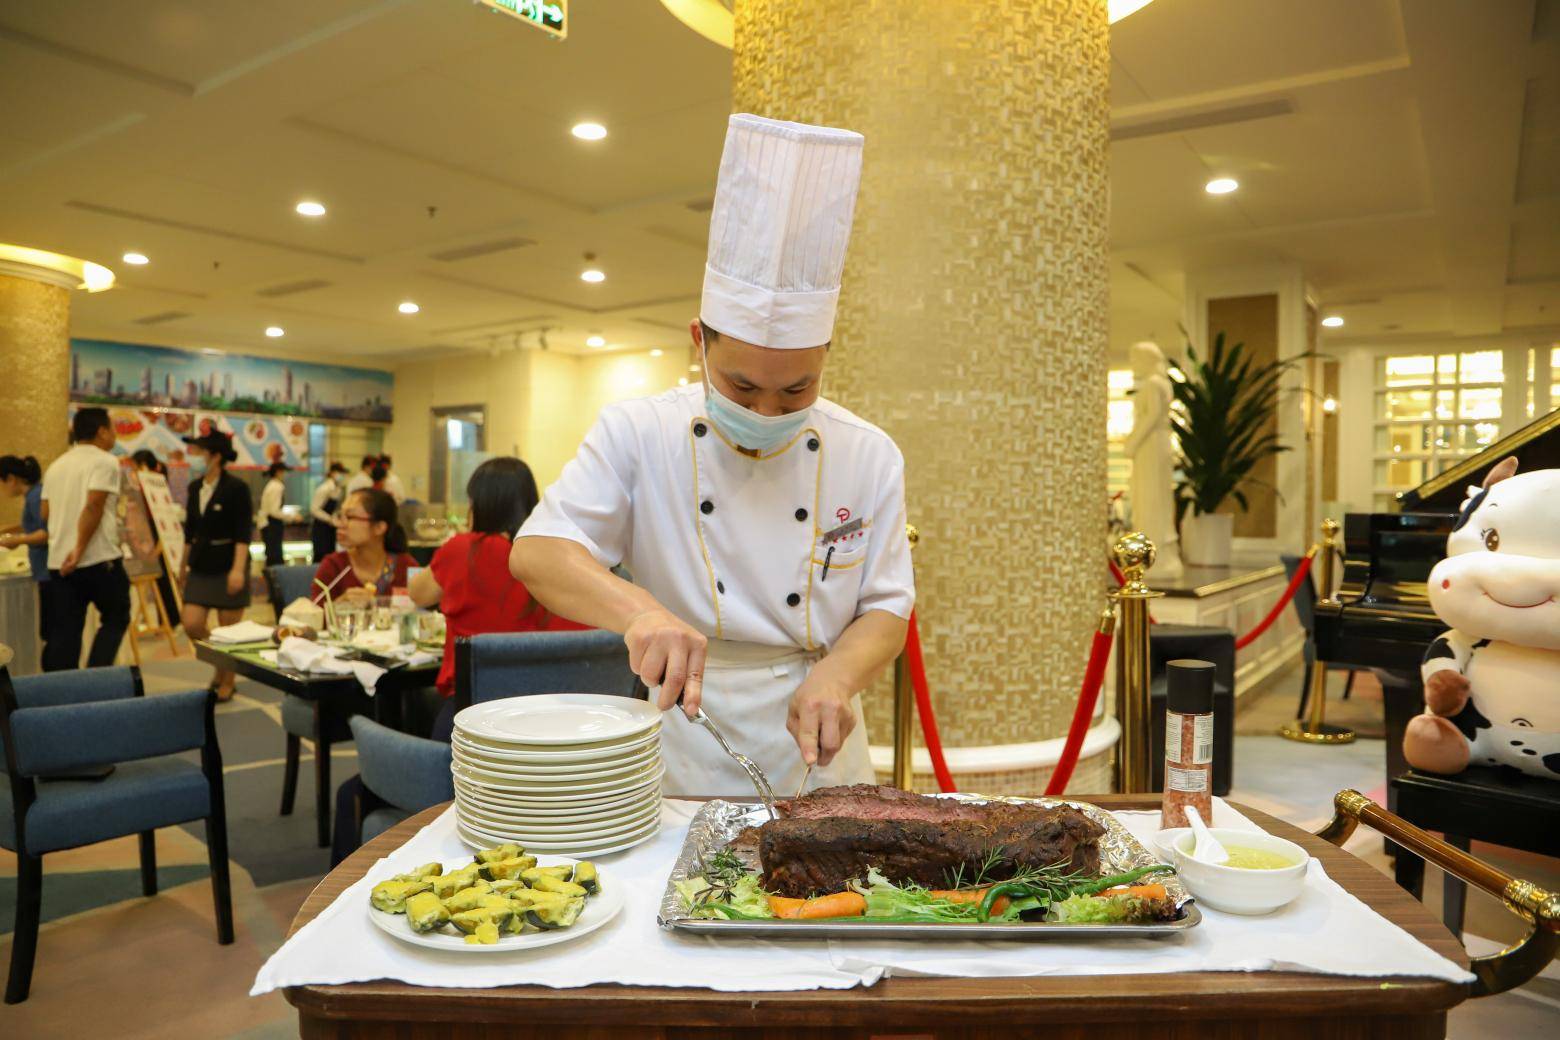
151,968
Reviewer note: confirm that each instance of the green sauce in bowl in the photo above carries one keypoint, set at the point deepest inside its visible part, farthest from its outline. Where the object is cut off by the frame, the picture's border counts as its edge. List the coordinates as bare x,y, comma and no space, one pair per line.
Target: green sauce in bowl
1246,858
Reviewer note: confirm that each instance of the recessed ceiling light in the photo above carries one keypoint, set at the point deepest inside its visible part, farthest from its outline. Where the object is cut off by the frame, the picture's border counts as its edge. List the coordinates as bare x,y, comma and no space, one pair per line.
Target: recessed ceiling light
589,131
1221,185
135,258
595,341
275,331
1330,405
693,368
590,274
682,380
1333,321
657,352
310,209
408,307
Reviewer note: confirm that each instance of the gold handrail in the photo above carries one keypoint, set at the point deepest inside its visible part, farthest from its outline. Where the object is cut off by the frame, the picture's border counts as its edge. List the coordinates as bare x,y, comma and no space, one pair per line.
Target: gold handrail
1498,972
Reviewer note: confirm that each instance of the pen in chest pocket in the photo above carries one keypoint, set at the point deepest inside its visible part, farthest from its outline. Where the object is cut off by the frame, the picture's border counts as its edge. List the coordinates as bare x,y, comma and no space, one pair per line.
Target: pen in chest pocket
826,558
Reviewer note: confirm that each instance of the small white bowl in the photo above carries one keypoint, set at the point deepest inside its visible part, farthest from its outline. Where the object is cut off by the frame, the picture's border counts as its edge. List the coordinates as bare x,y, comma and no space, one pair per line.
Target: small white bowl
1238,890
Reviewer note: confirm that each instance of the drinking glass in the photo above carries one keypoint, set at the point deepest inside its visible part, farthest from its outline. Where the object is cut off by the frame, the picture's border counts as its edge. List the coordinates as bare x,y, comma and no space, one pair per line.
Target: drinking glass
349,621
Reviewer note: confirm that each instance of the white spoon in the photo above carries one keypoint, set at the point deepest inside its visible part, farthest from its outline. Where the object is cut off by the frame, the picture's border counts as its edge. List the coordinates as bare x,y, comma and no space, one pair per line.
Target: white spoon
1207,849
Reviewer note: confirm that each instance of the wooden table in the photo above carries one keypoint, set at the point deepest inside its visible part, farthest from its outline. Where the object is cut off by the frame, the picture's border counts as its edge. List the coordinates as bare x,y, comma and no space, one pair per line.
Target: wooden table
387,703
1270,1005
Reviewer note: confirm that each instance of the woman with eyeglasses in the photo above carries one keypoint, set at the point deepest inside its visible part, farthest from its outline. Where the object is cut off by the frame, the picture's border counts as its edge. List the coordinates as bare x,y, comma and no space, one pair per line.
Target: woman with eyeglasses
372,560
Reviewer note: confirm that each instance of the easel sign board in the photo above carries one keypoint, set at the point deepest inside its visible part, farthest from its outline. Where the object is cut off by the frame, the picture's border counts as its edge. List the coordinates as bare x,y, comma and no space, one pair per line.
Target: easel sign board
167,516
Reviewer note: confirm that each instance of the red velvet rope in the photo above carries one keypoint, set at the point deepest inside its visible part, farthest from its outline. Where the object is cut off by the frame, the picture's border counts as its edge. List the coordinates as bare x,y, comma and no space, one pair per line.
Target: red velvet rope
1278,608
1093,677
923,705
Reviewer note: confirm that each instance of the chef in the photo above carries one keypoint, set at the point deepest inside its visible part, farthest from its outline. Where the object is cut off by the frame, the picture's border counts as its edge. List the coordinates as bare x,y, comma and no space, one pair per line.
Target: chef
763,525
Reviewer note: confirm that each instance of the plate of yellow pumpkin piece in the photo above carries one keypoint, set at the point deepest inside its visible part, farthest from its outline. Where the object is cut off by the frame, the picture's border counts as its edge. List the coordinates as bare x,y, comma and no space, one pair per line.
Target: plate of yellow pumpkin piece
501,899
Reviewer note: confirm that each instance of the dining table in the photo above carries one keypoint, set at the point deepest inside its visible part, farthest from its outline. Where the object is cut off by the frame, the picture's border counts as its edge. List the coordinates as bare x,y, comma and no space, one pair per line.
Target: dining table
329,691
1272,1005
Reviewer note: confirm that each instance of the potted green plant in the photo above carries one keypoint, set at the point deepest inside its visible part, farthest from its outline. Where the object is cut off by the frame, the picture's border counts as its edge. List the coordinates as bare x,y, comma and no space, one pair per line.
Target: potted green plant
1221,416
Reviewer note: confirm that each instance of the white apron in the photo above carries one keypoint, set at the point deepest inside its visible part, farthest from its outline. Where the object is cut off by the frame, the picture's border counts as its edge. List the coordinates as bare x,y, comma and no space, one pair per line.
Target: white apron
747,693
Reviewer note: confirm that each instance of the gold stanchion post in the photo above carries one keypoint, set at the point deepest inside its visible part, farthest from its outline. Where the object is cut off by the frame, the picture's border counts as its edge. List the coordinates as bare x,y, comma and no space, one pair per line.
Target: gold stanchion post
904,707
1134,554
1316,730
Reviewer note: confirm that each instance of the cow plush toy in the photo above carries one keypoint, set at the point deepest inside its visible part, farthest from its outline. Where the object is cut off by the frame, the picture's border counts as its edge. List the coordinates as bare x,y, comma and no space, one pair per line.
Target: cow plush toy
1492,683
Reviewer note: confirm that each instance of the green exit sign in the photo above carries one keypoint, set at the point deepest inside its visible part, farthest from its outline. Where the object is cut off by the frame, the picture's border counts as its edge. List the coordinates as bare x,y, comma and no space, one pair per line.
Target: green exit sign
550,16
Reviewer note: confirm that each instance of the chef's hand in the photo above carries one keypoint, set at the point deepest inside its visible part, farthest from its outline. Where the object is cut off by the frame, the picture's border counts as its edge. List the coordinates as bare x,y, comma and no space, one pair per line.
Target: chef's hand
820,719
666,651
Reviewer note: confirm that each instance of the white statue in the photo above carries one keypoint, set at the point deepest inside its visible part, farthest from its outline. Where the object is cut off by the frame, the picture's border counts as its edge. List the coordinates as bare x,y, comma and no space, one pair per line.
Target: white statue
1153,505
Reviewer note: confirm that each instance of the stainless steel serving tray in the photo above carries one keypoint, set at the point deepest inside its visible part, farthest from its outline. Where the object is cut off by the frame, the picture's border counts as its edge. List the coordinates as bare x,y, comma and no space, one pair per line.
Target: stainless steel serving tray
718,822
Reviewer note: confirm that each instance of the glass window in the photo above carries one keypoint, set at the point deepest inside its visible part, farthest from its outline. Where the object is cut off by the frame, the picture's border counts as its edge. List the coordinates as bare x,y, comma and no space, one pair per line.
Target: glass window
1431,411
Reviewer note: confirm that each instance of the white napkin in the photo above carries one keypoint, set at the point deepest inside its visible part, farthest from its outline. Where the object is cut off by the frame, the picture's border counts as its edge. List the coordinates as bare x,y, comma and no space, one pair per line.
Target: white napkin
342,945
1326,930
305,655
241,632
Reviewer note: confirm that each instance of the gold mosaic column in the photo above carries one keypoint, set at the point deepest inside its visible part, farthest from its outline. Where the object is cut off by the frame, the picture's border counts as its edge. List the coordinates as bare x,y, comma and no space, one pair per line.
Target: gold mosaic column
972,322
34,373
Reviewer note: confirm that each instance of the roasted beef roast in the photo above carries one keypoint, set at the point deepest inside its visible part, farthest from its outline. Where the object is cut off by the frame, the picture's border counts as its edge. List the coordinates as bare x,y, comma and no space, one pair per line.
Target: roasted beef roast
834,835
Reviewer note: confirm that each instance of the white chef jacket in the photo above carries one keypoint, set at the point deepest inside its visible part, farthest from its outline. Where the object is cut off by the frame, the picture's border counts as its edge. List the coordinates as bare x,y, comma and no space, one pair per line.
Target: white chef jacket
735,545
271,498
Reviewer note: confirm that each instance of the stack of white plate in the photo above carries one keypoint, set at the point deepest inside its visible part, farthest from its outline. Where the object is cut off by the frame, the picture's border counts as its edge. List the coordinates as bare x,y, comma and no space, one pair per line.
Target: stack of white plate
564,772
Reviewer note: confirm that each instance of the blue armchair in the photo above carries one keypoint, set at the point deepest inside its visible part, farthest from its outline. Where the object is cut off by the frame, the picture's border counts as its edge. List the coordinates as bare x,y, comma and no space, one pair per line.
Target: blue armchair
1305,609
64,724
287,583
514,664
304,719
403,775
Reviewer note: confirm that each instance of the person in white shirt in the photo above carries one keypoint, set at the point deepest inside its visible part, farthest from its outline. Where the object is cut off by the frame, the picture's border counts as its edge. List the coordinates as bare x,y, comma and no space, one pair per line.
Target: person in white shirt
323,505
80,502
391,482
764,526
363,478
272,521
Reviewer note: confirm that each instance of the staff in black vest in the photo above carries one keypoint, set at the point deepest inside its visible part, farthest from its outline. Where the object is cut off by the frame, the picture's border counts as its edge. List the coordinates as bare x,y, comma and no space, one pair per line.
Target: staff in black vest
218,526
322,511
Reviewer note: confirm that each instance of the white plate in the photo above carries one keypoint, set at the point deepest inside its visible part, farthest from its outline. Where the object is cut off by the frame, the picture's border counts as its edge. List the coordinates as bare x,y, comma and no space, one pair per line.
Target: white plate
557,813
558,719
599,909
592,800
543,755
555,774
527,832
541,828
479,840
504,763
546,789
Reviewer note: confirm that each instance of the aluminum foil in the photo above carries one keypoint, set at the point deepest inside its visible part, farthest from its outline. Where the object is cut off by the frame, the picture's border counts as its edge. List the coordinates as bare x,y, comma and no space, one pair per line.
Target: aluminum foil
718,822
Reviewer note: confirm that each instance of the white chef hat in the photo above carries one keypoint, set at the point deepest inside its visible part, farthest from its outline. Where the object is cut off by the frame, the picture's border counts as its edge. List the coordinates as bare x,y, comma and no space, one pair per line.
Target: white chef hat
778,231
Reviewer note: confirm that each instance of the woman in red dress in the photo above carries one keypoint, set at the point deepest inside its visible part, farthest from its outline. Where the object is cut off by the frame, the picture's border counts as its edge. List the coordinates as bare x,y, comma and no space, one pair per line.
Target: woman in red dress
469,575
373,560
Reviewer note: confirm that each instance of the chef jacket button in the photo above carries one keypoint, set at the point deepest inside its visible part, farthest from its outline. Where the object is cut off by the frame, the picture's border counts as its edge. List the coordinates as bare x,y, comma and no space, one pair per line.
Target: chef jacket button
812,444
792,600
699,429
801,514
706,507
720,587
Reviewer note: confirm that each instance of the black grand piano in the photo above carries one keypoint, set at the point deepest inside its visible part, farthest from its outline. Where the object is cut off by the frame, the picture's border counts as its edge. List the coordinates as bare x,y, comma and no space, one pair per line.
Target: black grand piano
1383,622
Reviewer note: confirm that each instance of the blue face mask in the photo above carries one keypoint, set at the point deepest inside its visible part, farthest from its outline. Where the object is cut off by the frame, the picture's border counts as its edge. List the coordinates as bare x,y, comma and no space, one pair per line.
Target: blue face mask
745,427
197,466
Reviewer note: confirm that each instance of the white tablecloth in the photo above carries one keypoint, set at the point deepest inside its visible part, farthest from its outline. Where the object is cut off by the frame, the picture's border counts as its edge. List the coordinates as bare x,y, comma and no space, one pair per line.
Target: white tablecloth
1326,930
